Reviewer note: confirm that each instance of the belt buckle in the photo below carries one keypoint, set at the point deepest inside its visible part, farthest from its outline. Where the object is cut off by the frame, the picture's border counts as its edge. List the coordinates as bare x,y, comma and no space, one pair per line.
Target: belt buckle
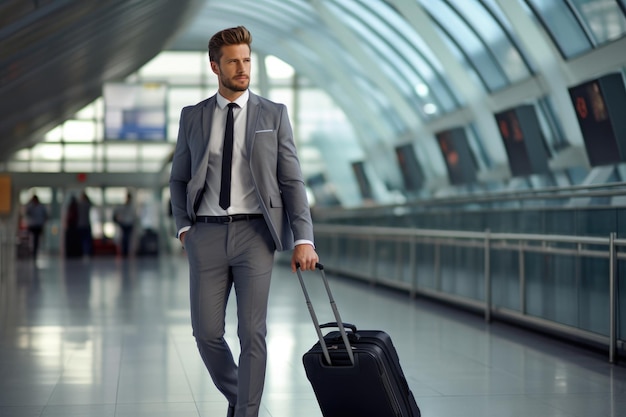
230,219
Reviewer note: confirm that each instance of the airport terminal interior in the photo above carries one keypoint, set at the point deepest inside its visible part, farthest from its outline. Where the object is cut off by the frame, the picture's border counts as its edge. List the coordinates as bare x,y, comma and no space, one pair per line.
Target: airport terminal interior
465,163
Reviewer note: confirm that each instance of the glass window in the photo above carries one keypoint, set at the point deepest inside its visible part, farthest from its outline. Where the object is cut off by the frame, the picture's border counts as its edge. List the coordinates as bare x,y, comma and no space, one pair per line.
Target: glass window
282,95
115,195
45,166
47,151
81,166
603,18
22,155
121,166
401,54
124,151
87,113
179,97
459,32
278,70
155,151
54,135
18,166
175,67
78,151
560,22
43,193
79,131
496,39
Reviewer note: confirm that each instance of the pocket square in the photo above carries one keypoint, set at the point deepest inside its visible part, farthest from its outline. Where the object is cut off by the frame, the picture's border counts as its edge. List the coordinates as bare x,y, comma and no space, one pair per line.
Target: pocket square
264,131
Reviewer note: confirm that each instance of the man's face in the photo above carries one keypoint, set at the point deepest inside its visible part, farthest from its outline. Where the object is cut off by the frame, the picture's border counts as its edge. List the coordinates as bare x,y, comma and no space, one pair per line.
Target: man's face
233,70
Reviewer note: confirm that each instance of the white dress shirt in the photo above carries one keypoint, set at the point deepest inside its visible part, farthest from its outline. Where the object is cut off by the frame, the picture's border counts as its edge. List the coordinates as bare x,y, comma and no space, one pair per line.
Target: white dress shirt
243,199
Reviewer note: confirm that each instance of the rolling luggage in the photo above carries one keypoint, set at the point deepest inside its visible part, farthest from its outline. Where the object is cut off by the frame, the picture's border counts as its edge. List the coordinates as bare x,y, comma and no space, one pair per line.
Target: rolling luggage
355,373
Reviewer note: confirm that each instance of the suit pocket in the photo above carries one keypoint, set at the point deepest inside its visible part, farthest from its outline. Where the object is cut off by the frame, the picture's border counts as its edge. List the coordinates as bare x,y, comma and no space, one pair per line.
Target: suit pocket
276,201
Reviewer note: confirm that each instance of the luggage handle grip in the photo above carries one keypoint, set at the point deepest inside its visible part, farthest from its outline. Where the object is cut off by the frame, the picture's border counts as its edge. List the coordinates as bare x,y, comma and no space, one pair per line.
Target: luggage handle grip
318,328
350,326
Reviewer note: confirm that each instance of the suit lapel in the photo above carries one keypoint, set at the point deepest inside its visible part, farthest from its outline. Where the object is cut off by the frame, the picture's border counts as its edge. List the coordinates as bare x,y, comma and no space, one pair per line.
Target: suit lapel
254,109
207,117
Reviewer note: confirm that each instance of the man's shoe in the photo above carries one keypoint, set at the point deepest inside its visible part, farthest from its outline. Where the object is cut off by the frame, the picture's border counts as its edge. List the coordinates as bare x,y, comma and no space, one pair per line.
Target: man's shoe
231,411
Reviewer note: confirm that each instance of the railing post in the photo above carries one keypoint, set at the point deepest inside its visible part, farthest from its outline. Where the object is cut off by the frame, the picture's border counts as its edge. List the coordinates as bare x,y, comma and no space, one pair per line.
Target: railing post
413,267
612,306
437,267
487,276
522,278
373,259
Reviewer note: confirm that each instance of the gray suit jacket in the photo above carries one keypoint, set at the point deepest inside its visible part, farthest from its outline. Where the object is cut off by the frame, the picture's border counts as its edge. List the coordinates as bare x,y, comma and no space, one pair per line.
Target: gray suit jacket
273,162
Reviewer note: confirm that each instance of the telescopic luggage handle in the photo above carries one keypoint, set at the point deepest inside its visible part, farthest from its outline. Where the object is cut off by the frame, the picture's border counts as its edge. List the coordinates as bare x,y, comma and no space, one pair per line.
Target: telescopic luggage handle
333,305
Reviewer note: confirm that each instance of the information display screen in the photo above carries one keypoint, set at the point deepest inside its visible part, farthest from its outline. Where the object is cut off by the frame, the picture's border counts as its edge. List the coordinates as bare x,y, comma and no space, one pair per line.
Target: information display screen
599,106
523,140
364,183
135,111
412,173
458,156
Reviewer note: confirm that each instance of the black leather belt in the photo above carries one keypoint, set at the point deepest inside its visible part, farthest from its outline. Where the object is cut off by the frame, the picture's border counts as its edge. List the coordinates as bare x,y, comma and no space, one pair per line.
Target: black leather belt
227,219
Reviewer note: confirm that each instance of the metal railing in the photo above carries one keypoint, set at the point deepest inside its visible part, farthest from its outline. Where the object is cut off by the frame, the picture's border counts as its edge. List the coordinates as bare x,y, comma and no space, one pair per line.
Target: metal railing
555,197
332,238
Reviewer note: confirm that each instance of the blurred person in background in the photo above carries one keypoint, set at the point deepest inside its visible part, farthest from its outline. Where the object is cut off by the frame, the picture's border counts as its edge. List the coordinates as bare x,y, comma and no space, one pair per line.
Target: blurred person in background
124,216
36,217
83,224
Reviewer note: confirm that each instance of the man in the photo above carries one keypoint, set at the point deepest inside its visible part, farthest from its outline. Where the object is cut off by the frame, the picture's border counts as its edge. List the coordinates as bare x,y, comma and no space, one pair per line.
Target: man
124,217
36,216
232,243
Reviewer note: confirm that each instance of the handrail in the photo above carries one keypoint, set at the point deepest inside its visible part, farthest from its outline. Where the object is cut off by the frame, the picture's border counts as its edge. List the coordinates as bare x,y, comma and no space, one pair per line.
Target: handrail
548,193
567,245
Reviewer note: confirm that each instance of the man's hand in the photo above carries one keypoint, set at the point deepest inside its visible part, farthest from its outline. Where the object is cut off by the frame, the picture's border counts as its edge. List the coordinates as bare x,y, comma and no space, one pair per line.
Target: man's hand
182,238
305,255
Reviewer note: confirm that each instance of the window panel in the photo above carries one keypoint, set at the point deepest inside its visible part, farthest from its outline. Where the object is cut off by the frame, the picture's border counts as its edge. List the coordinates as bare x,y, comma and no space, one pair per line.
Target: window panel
22,155
154,152
490,31
122,166
79,131
406,59
45,166
47,151
54,135
472,46
78,151
115,195
179,97
18,166
175,67
561,23
603,18
278,70
121,151
81,166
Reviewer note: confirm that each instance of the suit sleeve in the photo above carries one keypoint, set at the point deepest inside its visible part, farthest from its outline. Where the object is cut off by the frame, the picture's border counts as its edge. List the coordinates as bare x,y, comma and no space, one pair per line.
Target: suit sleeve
291,182
180,175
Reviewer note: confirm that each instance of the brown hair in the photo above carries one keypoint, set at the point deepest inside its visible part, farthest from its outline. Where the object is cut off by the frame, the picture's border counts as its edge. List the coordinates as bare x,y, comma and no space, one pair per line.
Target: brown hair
231,36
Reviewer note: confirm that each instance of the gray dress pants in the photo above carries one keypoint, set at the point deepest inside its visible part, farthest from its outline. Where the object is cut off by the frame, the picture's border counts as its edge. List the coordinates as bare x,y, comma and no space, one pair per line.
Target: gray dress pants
222,256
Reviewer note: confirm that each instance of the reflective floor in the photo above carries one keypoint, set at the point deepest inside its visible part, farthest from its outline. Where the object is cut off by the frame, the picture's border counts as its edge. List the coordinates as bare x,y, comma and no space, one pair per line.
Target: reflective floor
112,338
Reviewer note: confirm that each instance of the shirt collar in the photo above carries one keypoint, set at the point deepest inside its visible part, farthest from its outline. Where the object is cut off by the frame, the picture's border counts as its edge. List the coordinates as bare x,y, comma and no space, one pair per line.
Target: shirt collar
241,101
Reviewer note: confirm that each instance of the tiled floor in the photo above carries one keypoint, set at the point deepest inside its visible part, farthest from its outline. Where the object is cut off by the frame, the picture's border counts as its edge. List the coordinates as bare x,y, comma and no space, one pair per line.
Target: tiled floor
112,338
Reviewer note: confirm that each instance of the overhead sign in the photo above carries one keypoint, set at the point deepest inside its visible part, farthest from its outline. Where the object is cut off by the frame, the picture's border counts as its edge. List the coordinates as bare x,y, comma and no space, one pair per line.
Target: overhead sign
135,111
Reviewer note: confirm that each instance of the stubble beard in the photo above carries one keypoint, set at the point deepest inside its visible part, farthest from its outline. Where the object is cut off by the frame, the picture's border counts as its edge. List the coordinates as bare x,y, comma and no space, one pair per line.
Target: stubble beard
227,83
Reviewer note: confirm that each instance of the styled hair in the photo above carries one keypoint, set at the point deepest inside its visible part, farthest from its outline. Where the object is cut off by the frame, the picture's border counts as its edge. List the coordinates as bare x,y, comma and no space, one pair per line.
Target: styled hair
232,36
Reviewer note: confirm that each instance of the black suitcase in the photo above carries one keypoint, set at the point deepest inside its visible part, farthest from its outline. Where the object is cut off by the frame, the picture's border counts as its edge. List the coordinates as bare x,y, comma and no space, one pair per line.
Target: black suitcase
364,380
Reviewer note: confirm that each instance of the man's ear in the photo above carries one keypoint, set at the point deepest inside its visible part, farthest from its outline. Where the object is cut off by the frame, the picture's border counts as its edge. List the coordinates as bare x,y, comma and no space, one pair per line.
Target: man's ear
215,68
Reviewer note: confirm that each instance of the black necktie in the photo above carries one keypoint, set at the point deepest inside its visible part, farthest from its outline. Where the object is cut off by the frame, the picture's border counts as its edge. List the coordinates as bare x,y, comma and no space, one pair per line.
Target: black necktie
227,158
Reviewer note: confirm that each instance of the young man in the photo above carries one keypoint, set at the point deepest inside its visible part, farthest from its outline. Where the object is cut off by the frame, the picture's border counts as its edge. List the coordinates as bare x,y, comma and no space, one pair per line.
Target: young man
234,206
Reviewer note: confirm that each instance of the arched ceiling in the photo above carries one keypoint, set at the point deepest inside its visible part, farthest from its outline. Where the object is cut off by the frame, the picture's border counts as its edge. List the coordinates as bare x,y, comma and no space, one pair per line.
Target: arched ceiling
55,56
397,68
